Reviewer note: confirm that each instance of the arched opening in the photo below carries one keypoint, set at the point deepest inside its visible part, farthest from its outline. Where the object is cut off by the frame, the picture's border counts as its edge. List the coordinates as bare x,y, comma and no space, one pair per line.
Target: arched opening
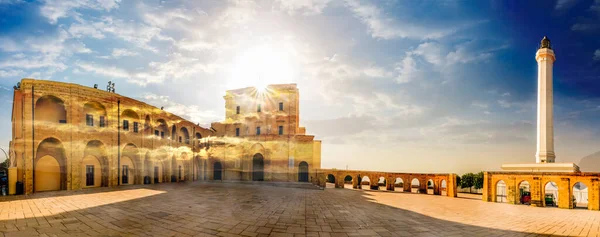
580,195
174,133
148,169
551,194
415,185
129,120
258,167
217,171
162,130
303,172
130,157
381,183
95,114
127,171
365,183
158,173
185,134
94,165
501,191
430,186
348,182
524,193
330,181
50,109
443,188
399,185
50,171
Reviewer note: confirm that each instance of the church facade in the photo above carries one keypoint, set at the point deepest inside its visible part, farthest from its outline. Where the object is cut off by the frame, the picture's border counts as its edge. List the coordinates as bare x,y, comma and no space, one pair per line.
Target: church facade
68,137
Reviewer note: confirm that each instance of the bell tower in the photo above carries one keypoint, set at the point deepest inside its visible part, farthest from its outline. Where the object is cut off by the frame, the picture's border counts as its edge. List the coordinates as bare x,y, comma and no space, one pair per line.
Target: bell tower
545,122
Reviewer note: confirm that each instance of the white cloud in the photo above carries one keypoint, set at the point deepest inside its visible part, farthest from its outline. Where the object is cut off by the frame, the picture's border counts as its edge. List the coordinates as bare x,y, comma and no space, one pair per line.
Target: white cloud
564,4
190,112
384,27
117,53
304,7
407,70
597,55
11,73
56,9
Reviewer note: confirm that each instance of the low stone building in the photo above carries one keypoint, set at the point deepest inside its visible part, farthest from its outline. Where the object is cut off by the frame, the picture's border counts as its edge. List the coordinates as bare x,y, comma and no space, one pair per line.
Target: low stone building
68,136
545,188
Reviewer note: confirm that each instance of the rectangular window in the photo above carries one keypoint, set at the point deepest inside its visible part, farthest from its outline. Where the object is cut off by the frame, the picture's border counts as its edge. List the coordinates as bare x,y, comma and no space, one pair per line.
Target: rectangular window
257,130
258,109
135,127
162,134
179,139
280,130
102,121
62,121
126,125
89,120
237,110
280,106
156,133
89,175
237,132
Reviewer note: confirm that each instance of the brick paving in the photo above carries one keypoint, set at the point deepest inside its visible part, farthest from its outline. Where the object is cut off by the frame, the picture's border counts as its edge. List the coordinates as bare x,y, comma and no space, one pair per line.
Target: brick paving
233,209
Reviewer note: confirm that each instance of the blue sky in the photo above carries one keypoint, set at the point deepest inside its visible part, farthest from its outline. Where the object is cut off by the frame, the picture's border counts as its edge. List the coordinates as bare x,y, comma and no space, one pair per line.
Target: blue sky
422,86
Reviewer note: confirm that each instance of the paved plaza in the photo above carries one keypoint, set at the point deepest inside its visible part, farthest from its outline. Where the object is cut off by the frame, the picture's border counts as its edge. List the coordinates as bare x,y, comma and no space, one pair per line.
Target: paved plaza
234,209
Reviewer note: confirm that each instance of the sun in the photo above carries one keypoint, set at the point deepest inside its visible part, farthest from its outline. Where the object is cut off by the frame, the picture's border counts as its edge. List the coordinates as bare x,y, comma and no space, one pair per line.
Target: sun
261,66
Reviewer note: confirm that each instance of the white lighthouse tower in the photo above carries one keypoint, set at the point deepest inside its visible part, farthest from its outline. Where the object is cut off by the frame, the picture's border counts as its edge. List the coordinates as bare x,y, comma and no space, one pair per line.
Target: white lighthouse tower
545,122
544,156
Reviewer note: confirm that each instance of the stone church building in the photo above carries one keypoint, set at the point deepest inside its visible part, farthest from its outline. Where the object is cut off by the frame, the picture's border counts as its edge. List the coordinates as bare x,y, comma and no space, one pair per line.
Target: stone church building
67,137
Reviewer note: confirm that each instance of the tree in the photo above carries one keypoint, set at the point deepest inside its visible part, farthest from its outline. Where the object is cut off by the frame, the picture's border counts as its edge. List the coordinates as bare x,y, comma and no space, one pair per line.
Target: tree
478,180
458,180
467,181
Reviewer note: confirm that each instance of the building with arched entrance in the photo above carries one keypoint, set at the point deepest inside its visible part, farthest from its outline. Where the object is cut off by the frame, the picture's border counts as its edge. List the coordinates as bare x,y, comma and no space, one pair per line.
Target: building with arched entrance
67,136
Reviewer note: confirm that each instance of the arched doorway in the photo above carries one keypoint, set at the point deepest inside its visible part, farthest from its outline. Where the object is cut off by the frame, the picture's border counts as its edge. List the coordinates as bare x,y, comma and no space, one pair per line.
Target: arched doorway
415,185
580,195
50,109
330,181
47,174
365,183
258,167
92,172
49,169
430,186
399,185
348,182
443,186
217,171
381,184
127,171
94,166
524,194
551,194
303,172
501,191
158,172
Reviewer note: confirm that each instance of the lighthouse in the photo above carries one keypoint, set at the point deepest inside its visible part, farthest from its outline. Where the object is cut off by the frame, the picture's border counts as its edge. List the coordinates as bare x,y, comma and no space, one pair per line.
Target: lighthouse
544,155
545,122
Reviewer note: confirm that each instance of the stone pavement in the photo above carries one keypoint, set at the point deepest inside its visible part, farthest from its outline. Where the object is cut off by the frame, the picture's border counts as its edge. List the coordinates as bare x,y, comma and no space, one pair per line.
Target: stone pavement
233,209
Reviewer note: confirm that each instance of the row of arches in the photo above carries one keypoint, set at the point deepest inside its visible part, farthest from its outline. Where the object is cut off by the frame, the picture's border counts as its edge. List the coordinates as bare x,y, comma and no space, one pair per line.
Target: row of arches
51,109
364,182
50,167
550,193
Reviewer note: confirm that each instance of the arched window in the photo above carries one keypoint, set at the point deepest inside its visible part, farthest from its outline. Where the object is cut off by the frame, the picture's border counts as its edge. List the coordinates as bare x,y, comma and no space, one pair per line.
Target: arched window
50,108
